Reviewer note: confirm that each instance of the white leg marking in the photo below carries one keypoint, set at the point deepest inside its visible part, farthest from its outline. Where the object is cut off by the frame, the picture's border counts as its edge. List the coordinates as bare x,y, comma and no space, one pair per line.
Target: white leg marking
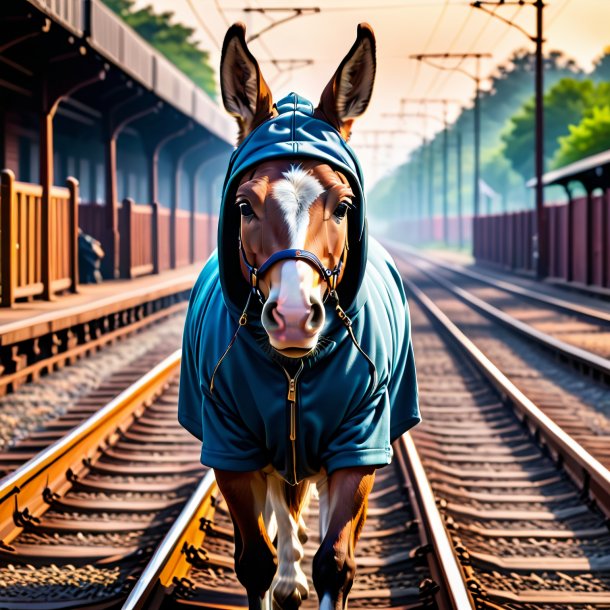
289,575
269,518
324,496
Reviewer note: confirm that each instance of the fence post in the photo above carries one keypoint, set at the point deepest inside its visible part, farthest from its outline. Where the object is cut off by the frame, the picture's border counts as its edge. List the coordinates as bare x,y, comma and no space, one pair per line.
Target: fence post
8,246
155,236
72,184
125,243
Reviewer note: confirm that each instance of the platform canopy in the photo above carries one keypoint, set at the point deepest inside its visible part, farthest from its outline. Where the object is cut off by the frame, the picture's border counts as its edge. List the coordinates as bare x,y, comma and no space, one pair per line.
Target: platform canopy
593,172
97,26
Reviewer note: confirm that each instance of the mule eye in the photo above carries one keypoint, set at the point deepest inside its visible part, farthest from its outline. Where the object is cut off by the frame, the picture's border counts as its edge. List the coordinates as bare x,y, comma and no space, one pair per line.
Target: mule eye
341,209
245,208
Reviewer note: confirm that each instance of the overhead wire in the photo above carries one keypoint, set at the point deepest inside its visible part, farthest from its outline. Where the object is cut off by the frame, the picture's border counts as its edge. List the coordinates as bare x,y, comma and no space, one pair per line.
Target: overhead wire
222,13
556,15
203,24
451,47
432,33
270,55
474,42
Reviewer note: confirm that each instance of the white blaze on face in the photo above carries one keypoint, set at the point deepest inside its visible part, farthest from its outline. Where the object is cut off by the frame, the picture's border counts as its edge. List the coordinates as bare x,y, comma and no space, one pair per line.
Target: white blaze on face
293,314
295,194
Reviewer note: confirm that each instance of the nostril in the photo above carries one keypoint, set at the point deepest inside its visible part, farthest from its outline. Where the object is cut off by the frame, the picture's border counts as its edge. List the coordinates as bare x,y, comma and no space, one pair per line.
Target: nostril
315,318
278,317
272,319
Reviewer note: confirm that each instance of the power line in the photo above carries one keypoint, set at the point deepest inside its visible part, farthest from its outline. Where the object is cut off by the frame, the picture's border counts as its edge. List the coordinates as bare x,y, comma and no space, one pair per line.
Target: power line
556,15
473,43
203,24
356,7
434,29
222,13
451,45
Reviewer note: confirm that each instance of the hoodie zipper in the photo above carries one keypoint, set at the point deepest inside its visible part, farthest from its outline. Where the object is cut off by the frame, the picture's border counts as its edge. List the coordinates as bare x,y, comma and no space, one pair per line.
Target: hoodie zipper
292,404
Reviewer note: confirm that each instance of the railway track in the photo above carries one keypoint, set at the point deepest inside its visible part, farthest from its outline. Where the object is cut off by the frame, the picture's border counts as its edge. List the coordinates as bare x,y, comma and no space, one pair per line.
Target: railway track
79,521
579,403
526,506
404,557
489,504
52,426
575,332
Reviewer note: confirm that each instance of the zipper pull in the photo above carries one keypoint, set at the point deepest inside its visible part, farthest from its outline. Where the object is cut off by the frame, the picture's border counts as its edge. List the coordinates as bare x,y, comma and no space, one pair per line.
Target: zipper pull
292,390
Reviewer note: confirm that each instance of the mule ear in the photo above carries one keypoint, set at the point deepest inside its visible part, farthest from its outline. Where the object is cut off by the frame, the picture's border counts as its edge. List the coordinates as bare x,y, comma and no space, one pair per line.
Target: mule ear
349,91
245,94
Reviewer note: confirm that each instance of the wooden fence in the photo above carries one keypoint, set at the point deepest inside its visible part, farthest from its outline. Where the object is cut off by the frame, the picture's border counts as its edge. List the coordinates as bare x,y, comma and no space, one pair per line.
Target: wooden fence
38,242
138,230
578,240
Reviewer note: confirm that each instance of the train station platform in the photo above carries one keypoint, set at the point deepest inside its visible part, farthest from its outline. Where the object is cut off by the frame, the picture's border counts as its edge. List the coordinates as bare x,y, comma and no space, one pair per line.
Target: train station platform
27,320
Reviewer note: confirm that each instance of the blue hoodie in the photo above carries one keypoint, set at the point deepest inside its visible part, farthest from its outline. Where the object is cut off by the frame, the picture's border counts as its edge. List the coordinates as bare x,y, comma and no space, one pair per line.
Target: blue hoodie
340,414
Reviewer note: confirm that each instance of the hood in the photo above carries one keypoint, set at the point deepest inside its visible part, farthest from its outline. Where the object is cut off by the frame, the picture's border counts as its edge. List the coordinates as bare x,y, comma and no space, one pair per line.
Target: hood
293,133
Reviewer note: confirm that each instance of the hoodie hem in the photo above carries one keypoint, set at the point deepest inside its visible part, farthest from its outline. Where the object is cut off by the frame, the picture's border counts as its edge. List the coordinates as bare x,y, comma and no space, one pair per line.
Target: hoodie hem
225,461
362,457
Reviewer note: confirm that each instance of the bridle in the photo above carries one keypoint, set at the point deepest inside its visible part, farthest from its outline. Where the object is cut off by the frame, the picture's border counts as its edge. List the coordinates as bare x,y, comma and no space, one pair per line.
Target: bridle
330,276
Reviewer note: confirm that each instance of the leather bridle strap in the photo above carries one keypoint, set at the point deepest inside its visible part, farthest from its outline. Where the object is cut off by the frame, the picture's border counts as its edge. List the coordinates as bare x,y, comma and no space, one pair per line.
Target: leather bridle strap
330,276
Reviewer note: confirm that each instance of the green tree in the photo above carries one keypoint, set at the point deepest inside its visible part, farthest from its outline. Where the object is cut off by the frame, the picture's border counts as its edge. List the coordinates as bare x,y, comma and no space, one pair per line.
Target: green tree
590,136
564,104
601,69
174,40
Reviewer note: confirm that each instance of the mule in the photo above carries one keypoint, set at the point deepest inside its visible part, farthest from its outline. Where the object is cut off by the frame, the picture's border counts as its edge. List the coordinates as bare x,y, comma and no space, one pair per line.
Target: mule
297,367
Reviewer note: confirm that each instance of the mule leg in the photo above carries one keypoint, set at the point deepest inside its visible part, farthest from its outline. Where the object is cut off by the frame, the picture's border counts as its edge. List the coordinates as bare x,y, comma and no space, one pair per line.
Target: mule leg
334,564
290,583
324,511
255,556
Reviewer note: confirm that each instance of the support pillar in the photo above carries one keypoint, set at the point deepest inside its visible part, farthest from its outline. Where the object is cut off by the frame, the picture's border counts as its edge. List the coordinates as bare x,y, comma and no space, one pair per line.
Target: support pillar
122,114
570,234
47,111
589,237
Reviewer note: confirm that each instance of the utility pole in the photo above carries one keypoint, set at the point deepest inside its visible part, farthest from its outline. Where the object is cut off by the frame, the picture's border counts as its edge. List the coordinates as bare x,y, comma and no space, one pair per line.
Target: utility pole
421,115
476,77
541,233
541,266
444,103
459,189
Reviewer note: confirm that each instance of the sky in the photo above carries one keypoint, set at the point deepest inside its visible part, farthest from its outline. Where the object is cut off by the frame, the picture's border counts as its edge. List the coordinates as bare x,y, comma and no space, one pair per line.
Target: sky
579,28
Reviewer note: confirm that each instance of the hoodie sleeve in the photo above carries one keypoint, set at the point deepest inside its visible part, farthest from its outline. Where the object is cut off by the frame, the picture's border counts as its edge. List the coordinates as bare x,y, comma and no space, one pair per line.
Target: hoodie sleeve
190,396
402,388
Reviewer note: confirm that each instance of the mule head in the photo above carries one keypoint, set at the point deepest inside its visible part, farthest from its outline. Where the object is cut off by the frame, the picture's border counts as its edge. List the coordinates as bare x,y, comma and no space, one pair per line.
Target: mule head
295,204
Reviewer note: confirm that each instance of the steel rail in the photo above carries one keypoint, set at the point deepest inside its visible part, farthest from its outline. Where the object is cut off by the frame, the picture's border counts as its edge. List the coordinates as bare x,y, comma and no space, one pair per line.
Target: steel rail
28,492
583,357
444,564
589,475
594,315
169,562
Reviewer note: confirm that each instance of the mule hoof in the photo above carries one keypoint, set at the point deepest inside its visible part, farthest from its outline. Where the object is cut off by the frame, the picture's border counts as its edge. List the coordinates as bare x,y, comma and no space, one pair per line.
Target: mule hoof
292,602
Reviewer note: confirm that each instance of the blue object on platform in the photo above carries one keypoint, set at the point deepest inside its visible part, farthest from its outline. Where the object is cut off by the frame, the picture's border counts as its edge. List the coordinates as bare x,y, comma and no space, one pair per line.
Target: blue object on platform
342,420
